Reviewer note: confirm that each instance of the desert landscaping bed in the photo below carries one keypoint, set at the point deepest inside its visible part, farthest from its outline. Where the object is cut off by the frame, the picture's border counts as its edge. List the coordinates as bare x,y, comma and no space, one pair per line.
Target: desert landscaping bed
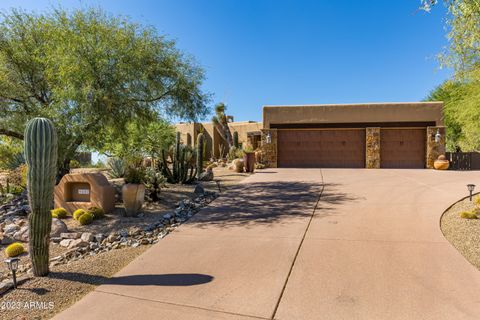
463,234
78,269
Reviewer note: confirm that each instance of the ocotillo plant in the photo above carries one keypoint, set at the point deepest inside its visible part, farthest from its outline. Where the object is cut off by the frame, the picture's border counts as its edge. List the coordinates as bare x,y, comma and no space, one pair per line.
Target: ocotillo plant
200,142
235,139
40,144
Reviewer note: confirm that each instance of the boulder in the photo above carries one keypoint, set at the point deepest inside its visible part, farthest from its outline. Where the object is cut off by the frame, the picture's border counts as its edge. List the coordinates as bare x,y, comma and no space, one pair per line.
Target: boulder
22,234
70,235
237,165
206,176
78,243
87,236
58,227
199,190
66,242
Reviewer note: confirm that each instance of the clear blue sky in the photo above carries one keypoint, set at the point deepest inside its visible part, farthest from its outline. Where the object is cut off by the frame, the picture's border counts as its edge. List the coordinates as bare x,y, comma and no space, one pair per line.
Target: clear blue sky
259,52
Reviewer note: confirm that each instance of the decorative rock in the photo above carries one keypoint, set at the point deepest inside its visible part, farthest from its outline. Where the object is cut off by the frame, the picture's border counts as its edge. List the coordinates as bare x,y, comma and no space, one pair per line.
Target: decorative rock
71,235
66,242
58,227
167,216
99,237
78,243
10,228
87,236
22,234
199,190
208,175
5,286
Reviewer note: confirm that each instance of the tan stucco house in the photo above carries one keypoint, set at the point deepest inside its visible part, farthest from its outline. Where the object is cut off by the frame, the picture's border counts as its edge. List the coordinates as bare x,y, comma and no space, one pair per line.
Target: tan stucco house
367,135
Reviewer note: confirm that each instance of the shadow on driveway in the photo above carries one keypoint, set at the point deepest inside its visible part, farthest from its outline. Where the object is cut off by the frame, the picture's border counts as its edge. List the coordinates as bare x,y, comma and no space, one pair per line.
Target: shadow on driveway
172,280
267,203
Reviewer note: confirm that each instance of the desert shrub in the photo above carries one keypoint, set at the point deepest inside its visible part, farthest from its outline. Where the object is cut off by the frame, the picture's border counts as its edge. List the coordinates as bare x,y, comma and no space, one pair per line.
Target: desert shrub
78,213
97,213
154,182
59,213
135,175
477,201
15,249
75,164
468,215
86,218
117,167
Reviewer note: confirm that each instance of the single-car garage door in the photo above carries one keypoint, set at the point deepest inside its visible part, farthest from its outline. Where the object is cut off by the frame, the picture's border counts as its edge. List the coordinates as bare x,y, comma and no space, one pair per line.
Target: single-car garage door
402,148
322,148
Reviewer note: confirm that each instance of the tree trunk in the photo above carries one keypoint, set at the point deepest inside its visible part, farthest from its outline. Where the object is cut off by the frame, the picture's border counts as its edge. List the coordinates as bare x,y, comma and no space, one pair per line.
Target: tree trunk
63,169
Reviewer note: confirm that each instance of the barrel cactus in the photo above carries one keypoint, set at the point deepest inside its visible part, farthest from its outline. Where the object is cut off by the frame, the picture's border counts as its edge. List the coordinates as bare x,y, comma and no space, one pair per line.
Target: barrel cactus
79,212
40,145
59,213
200,142
86,218
15,249
235,139
97,212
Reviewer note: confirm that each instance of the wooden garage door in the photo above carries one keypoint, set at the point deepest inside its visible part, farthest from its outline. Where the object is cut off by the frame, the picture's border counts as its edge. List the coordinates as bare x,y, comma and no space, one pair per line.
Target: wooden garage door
330,148
402,148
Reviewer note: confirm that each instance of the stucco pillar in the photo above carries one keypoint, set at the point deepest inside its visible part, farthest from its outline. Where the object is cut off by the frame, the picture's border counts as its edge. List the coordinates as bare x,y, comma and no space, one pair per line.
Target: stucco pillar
372,153
434,149
269,150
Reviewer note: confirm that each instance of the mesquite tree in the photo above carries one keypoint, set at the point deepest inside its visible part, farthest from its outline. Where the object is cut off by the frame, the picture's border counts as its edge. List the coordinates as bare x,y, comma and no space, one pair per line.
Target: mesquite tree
41,157
93,74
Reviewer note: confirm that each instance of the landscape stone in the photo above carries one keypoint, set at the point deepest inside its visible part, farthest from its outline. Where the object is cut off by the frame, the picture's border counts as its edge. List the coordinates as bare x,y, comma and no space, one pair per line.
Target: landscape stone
70,235
66,242
87,236
10,228
77,243
199,190
58,228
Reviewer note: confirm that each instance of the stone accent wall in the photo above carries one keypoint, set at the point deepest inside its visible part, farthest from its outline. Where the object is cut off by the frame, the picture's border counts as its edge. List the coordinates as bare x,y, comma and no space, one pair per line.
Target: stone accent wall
269,150
372,153
434,149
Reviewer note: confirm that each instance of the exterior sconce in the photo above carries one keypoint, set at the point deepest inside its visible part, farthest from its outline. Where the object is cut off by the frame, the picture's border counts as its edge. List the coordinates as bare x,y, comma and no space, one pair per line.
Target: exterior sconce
438,136
470,188
12,264
268,138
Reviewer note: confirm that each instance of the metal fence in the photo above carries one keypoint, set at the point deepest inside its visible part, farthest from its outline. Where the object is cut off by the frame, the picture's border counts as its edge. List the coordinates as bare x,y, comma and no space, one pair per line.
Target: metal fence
464,160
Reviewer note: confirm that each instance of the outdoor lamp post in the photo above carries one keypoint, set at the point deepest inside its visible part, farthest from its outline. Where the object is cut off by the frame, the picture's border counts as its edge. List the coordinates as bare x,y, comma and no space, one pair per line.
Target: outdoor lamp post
12,264
438,136
470,188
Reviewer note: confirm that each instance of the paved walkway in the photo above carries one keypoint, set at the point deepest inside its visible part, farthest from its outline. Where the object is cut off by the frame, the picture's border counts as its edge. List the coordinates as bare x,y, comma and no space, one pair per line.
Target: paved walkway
372,249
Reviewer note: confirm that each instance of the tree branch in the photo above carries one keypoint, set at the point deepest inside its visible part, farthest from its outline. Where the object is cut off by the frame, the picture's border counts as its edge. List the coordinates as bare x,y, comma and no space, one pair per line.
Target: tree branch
10,133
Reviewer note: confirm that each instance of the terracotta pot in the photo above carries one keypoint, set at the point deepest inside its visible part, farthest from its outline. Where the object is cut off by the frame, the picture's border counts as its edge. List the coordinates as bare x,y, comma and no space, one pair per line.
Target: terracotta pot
133,198
441,164
249,161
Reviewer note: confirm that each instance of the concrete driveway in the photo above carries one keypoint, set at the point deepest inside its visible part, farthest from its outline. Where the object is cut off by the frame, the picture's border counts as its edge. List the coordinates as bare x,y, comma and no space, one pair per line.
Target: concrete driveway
305,244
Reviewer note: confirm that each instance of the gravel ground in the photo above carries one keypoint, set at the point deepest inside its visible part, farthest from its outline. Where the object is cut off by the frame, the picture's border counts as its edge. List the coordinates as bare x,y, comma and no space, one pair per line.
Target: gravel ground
66,284
463,234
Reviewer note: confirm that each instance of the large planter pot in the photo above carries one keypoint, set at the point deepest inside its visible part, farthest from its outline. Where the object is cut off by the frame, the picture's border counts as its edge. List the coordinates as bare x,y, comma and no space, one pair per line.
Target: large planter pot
441,164
133,198
249,161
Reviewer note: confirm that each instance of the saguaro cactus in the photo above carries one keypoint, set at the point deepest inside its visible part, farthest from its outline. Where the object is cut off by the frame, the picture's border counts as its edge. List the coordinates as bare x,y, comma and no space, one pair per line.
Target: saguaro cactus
40,144
235,139
200,142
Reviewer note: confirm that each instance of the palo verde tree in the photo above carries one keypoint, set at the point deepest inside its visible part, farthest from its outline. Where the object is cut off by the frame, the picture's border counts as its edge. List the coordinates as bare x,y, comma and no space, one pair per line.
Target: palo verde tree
91,73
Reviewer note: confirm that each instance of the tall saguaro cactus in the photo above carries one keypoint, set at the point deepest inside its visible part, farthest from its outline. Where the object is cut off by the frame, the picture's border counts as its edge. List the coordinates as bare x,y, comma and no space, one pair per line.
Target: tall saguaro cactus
41,156
200,142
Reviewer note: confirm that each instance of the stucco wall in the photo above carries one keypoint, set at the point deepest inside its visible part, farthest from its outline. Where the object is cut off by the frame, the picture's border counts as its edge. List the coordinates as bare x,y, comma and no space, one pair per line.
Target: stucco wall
354,113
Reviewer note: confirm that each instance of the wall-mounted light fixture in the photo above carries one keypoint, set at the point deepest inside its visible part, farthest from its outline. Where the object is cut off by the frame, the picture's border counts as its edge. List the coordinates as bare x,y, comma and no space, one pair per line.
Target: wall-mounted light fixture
268,138
438,136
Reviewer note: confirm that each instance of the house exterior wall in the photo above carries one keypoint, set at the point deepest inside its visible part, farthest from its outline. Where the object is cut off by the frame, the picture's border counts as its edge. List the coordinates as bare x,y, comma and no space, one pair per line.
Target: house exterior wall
354,113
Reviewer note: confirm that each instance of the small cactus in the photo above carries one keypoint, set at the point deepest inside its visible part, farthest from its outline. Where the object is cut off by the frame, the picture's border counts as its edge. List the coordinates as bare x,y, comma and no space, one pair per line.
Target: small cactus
78,213
40,147
97,213
59,213
235,139
86,218
15,249
200,142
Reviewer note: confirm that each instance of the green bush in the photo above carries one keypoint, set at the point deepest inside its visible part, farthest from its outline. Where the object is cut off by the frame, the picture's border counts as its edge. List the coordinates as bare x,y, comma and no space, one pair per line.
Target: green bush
78,213
97,213
468,215
59,213
86,218
15,249
135,175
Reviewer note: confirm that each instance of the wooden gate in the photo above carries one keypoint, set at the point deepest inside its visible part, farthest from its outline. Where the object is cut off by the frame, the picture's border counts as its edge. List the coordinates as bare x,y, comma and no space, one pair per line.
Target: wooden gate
464,160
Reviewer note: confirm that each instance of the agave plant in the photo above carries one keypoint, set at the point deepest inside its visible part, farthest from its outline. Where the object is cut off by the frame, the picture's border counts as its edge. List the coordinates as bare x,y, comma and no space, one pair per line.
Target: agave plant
117,167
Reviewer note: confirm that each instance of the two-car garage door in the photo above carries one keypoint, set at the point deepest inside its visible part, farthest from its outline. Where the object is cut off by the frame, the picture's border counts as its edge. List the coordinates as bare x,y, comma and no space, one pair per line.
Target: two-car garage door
345,148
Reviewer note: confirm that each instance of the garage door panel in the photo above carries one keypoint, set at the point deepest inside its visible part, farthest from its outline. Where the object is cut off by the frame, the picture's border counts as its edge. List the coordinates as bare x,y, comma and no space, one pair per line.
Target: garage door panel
402,148
322,148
